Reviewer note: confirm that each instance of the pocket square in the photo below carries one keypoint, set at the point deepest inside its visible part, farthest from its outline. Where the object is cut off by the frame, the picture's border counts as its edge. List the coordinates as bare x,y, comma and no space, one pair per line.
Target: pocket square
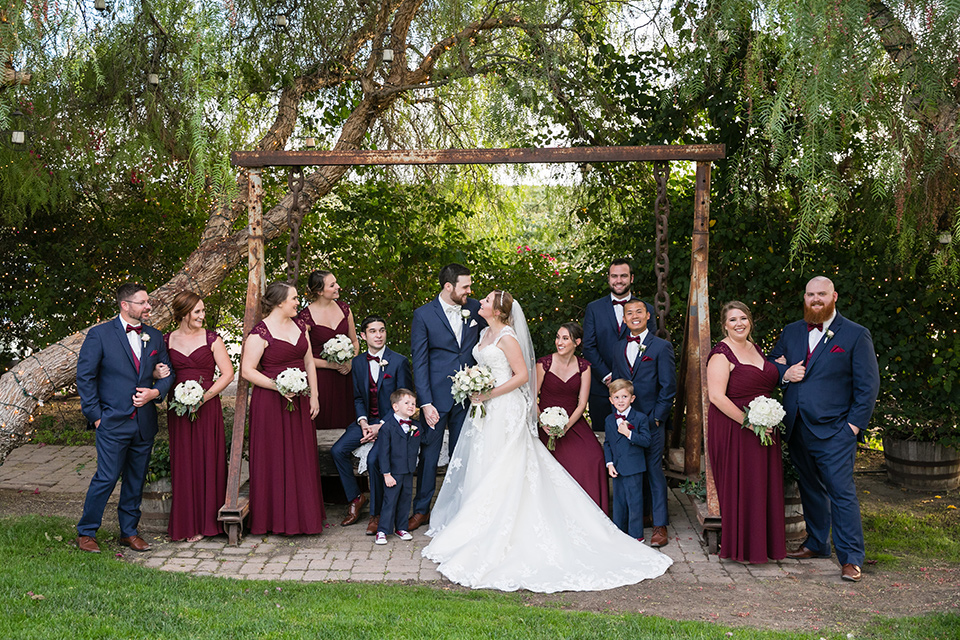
837,349
387,376
473,323
645,359
153,353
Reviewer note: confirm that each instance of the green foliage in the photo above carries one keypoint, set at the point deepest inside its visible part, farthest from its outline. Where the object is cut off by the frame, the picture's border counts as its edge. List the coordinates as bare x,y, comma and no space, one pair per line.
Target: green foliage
905,538
159,461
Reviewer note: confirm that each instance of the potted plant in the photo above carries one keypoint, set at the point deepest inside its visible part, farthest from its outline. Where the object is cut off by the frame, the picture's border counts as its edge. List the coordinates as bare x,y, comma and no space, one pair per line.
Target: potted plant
157,492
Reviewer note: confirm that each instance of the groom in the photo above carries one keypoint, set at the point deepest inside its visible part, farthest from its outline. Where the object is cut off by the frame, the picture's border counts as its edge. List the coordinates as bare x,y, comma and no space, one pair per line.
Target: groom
442,338
831,382
117,396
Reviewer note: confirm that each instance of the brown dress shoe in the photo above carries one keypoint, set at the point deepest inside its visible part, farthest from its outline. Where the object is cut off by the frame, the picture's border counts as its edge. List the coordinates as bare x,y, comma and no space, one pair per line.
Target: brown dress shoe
88,544
417,520
372,525
353,511
136,543
803,553
850,573
658,537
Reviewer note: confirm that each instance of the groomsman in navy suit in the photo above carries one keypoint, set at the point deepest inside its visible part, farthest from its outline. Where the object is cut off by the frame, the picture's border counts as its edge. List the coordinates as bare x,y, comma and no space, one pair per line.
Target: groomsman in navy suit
829,368
603,327
647,361
442,338
117,396
377,373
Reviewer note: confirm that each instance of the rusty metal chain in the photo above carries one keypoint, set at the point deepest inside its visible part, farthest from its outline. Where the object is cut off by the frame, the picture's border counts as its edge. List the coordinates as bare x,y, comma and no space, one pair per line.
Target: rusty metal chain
295,182
661,210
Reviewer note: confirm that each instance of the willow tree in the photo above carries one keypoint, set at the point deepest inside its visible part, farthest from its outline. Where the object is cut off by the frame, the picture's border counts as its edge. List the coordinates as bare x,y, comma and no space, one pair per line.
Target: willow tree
167,88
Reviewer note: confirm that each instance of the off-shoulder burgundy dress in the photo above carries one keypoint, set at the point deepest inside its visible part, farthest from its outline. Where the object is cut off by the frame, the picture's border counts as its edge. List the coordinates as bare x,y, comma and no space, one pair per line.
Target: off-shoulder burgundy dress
198,458
578,450
285,492
748,475
334,389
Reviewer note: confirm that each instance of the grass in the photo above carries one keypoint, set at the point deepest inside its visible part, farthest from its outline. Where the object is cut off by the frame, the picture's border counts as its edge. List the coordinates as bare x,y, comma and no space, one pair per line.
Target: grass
897,538
49,590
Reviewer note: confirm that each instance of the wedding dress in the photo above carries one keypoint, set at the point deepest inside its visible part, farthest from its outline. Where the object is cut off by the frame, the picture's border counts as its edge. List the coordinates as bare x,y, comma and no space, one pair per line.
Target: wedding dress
509,517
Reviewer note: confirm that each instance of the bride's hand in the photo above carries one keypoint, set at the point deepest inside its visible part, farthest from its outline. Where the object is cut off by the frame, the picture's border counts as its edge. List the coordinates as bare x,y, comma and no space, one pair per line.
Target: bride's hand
479,398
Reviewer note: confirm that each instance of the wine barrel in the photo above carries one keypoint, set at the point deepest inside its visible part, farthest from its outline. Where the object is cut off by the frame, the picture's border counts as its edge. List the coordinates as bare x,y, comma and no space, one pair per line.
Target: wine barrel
924,466
796,528
155,508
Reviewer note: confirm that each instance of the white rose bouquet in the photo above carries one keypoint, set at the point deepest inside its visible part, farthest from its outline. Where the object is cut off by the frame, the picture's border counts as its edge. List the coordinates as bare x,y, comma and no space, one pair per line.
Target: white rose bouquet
292,382
554,419
470,380
338,349
764,413
187,398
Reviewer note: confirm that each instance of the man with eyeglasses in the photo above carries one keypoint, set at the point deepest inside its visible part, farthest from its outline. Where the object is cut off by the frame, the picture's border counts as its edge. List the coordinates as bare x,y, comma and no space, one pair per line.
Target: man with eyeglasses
117,396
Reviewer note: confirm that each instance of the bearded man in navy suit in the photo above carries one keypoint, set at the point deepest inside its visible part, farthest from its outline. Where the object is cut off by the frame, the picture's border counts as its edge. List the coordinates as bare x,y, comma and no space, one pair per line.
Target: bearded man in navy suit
829,368
603,327
442,338
118,395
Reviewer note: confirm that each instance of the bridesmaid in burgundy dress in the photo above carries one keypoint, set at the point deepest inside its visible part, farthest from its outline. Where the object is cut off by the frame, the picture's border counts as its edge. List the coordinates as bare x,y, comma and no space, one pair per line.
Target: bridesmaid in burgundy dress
563,380
749,476
285,493
198,458
327,317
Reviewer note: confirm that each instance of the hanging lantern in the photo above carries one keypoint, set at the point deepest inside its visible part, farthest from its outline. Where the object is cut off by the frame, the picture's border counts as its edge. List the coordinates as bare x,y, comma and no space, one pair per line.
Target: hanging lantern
153,79
17,134
100,5
280,20
387,50
310,142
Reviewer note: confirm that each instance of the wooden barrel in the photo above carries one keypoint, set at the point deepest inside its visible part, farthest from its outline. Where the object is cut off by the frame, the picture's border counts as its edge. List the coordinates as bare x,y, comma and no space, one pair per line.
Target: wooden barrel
924,466
155,508
796,528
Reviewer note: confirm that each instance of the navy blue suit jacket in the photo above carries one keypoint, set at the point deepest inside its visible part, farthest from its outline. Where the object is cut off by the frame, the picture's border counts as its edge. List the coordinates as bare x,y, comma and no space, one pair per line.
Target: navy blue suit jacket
600,336
107,378
629,457
394,375
435,353
397,450
842,377
654,376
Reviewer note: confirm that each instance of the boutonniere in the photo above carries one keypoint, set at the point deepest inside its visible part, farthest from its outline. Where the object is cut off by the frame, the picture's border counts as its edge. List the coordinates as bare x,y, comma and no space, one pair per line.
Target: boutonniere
465,314
144,337
383,362
829,335
643,348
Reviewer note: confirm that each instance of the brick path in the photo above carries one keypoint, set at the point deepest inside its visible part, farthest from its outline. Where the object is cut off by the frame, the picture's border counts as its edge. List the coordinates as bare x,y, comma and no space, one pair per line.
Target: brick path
345,553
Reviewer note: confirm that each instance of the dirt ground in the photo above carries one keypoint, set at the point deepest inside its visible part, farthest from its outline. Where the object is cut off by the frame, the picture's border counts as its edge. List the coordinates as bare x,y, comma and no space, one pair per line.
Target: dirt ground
813,601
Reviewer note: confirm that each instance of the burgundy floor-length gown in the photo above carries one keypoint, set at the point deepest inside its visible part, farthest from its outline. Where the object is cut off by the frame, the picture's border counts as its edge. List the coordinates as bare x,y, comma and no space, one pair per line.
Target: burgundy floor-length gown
285,494
334,389
578,450
198,455
749,476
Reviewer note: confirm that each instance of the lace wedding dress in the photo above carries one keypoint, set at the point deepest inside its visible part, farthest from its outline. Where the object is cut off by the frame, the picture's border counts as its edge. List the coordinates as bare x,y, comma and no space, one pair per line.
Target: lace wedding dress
510,517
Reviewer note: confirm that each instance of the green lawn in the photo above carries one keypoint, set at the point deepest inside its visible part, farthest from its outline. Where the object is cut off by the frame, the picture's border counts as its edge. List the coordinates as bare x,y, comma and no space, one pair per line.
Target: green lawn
49,590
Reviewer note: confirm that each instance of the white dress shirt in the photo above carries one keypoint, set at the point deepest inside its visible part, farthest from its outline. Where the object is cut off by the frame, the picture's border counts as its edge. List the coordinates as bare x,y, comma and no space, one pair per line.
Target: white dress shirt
814,336
633,348
136,344
618,308
452,311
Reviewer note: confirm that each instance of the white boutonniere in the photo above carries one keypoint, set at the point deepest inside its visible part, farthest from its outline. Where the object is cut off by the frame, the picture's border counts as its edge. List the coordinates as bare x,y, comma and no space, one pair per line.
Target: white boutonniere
465,314
144,337
383,362
643,348
829,335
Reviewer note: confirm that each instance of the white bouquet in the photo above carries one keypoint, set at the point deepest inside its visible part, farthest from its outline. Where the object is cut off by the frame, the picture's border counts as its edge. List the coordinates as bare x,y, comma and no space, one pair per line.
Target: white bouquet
338,349
764,413
187,398
292,382
470,380
554,419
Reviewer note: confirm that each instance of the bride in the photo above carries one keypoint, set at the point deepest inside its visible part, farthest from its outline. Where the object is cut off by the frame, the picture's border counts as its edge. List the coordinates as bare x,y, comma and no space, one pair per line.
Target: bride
508,515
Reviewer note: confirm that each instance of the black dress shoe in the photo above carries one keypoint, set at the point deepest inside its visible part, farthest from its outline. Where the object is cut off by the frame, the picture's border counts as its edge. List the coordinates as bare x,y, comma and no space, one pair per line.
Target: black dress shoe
803,553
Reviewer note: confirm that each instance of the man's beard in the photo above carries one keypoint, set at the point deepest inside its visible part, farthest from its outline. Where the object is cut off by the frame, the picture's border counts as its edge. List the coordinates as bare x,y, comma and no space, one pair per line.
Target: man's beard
813,316
462,300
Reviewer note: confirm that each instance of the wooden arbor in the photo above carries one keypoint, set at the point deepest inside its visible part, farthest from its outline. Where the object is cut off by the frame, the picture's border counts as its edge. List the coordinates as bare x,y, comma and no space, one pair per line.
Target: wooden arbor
692,398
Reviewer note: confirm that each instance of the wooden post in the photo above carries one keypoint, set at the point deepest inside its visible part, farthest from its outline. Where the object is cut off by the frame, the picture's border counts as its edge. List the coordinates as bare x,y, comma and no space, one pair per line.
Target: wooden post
236,509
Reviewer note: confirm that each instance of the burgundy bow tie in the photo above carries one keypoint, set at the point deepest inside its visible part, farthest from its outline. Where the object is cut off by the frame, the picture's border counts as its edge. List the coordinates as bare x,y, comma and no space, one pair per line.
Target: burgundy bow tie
620,302
636,339
407,422
620,416
811,326
372,357
137,328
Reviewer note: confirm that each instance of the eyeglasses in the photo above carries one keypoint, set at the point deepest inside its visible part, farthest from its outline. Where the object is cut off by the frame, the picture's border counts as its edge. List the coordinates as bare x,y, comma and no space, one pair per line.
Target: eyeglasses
135,302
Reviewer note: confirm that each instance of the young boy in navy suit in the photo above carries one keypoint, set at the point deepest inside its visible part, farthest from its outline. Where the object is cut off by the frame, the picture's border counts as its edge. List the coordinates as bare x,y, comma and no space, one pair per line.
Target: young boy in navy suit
627,434
376,373
399,445
647,362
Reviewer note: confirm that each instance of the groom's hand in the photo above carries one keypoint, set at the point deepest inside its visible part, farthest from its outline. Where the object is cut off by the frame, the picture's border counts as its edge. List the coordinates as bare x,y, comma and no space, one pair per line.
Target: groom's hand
431,414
